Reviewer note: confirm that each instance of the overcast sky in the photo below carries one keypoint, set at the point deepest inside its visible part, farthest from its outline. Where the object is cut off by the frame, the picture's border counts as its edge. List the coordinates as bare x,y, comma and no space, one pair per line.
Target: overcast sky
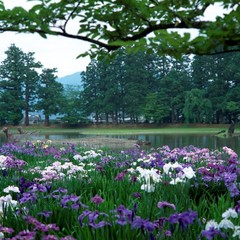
55,51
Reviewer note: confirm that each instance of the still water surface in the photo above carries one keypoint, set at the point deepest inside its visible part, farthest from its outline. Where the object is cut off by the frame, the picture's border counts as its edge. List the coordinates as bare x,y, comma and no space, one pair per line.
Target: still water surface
158,140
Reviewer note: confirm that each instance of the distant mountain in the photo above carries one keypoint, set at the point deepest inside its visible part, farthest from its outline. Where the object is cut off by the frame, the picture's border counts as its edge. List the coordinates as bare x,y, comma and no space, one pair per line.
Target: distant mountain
73,79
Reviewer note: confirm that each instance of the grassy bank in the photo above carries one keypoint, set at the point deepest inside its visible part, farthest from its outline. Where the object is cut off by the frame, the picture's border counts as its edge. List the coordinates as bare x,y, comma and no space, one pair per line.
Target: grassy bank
129,129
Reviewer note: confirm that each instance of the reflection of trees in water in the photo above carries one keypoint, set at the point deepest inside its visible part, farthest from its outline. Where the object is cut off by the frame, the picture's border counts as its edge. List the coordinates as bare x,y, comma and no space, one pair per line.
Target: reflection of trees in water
202,141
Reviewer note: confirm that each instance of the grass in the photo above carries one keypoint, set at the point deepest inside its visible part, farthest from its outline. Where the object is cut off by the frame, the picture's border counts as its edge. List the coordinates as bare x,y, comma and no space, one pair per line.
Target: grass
130,129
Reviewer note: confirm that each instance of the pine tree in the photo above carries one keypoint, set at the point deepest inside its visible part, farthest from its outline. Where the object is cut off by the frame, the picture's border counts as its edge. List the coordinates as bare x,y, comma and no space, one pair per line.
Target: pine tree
50,94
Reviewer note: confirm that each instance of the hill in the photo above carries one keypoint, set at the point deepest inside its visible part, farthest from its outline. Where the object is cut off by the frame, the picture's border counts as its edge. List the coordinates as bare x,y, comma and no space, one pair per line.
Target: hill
72,79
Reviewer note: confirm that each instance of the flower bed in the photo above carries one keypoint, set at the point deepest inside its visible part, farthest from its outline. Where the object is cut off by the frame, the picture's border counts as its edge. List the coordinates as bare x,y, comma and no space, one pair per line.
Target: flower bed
69,192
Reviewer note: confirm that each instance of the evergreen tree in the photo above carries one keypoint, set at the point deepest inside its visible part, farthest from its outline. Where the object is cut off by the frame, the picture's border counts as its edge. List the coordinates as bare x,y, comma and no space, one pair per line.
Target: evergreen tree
174,85
50,94
197,108
12,73
72,106
92,95
156,108
30,83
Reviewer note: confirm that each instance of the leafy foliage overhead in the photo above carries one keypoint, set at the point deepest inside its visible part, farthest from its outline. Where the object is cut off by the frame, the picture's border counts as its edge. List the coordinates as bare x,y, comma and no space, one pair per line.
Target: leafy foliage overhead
134,24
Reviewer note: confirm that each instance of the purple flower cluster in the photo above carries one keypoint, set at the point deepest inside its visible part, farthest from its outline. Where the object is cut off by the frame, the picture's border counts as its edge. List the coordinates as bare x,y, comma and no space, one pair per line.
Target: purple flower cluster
211,233
39,149
184,219
132,167
92,219
12,162
38,226
228,173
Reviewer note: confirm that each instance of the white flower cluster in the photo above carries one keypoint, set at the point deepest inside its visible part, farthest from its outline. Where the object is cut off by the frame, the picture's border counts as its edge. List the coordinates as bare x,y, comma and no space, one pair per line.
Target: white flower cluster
87,155
182,175
58,170
11,189
2,161
226,223
7,201
149,177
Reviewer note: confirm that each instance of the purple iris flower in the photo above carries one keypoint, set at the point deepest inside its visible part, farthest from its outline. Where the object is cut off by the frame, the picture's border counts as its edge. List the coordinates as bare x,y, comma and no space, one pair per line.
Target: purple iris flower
4,173
124,215
174,218
69,198
97,199
28,196
187,218
137,195
40,226
25,235
38,187
168,233
24,184
184,219
237,207
166,204
160,222
121,175
46,214
82,216
50,237
6,229
92,217
211,233
138,222
234,191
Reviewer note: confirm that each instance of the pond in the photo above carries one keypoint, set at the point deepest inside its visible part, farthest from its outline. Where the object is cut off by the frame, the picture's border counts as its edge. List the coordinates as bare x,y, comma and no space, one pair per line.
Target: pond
172,140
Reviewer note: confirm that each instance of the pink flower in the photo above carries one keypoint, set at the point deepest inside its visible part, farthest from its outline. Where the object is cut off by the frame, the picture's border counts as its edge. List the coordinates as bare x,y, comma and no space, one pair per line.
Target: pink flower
97,199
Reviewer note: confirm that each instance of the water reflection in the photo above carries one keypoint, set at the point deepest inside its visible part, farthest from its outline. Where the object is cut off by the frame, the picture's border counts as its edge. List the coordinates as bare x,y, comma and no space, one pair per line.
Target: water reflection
182,140
202,141
157,140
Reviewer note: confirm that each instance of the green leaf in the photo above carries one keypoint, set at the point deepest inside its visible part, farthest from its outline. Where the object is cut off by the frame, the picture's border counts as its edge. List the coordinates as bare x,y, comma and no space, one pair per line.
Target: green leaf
42,35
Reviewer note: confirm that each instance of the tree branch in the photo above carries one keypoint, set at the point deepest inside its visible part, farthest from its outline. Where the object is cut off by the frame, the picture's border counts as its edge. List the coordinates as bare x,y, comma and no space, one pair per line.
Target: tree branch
152,28
70,15
64,34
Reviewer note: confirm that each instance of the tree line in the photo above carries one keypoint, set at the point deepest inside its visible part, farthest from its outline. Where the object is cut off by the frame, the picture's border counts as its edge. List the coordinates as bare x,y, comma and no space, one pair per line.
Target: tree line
147,87
131,87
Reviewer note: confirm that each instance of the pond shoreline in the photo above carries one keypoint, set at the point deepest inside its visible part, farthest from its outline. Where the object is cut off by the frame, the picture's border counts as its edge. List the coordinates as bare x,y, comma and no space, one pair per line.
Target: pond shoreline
97,142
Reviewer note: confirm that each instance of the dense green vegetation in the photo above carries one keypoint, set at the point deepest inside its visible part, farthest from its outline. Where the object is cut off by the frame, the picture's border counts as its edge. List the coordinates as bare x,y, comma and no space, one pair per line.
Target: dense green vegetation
136,24
133,88
24,89
145,82
148,87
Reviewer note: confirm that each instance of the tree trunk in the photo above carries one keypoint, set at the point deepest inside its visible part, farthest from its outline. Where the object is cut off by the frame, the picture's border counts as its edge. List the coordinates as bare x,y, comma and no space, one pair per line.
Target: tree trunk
231,129
173,115
27,106
26,116
112,115
47,122
97,118
107,120
116,117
